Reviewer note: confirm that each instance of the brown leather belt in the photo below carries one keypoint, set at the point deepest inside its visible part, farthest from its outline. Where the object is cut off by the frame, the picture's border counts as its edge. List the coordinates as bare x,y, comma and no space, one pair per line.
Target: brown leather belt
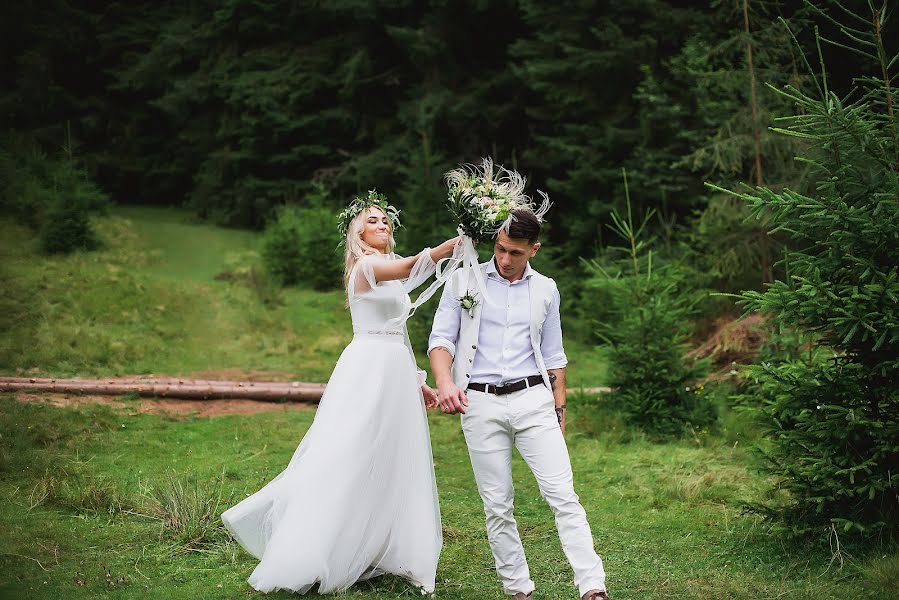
500,390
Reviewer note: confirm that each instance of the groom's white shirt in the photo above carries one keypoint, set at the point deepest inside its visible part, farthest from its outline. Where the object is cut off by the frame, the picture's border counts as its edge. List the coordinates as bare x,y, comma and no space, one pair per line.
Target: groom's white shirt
498,343
518,335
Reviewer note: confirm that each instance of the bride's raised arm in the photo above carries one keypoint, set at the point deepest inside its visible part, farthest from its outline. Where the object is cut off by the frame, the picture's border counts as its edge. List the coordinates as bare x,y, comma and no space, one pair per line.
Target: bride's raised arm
412,270
412,267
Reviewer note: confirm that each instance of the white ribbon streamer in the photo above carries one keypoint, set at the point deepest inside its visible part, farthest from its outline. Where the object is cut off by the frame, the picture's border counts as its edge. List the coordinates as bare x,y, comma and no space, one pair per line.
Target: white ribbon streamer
472,269
464,256
445,269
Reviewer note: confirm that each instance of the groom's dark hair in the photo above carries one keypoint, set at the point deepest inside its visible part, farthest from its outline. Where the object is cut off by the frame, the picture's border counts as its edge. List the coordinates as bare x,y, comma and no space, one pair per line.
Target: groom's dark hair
524,226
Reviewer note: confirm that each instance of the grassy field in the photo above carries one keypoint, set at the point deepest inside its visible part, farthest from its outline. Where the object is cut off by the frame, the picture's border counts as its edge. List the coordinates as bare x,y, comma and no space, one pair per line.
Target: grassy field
110,502
106,502
150,303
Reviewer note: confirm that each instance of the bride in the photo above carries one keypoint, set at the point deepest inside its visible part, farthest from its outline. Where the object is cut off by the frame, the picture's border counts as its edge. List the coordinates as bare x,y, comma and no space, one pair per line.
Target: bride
358,499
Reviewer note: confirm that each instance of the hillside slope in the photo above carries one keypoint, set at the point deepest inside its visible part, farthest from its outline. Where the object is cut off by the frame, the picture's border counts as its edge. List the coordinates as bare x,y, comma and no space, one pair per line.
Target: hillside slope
149,302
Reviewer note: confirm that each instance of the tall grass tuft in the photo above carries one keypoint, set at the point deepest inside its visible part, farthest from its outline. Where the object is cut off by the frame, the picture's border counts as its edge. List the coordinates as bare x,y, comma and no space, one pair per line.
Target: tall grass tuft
79,492
882,575
188,509
97,494
41,491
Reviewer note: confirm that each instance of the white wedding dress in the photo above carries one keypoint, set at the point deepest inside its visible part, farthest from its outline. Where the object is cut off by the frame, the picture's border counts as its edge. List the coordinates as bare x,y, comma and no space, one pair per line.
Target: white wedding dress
358,498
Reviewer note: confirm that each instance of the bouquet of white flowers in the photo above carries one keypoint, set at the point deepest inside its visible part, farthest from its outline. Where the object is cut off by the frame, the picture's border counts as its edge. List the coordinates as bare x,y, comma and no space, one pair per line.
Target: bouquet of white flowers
482,200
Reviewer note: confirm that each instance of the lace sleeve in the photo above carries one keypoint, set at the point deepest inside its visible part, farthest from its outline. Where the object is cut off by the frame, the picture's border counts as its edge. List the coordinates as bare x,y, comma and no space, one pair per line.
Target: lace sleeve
422,270
364,281
362,278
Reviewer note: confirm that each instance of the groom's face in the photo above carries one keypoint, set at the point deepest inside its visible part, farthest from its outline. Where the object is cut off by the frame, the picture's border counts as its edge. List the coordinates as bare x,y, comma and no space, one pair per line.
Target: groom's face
512,255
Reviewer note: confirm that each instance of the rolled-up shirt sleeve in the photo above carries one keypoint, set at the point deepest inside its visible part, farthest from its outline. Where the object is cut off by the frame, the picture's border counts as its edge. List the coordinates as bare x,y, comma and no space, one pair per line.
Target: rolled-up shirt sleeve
551,344
447,319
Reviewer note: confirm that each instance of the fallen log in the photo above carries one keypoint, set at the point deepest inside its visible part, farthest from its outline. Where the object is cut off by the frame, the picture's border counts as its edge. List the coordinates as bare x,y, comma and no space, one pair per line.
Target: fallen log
184,388
590,391
189,389
142,380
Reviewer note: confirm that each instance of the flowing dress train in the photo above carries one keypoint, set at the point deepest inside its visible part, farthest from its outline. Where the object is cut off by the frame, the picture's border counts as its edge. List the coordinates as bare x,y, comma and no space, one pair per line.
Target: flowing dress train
358,498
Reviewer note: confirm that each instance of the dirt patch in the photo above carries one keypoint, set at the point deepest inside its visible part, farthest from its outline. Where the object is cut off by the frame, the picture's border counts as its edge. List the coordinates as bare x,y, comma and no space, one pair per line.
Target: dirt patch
182,408
231,374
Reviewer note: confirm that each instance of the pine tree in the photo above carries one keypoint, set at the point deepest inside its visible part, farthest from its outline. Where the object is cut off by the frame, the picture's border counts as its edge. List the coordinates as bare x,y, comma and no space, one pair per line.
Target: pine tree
735,68
647,326
833,416
583,65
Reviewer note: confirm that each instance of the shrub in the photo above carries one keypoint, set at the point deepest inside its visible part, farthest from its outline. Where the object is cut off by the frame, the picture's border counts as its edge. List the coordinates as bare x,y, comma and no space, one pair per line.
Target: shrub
51,195
300,247
832,414
649,325
66,227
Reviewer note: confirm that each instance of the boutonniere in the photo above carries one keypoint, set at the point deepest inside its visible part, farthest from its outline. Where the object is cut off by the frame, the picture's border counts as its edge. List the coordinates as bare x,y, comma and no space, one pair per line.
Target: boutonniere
468,302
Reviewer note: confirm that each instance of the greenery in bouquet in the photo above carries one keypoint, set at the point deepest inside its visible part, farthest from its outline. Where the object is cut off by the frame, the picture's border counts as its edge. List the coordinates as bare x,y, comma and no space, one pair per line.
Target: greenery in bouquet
482,198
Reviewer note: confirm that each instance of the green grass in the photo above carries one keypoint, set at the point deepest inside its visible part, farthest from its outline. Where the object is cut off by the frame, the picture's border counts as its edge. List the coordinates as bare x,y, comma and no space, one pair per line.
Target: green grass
105,502
183,249
102,503
149,303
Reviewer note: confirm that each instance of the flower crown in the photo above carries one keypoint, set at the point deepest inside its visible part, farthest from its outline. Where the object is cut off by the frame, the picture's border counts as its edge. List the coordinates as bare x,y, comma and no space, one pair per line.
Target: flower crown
361,203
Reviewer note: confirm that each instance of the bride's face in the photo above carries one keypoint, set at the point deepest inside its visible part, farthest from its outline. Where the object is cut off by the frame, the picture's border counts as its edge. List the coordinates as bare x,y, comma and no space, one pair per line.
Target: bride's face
376,229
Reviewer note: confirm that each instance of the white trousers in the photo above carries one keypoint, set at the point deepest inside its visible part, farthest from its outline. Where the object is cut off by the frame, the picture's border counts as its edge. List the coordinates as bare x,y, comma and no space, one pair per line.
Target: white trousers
527,420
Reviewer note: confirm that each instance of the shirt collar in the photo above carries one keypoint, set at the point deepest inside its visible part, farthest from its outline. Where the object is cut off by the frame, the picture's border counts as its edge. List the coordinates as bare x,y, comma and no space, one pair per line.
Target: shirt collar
492,272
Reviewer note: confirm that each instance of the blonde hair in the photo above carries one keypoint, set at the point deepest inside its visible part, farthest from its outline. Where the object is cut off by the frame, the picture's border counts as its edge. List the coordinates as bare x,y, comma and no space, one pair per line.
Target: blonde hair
356,248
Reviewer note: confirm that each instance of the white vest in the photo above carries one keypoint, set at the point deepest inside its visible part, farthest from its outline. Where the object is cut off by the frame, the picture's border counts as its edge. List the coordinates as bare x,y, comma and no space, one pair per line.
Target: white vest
540,289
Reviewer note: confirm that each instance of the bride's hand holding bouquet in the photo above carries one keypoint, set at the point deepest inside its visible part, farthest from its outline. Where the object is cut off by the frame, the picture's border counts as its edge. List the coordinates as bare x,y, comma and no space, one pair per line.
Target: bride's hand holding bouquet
446,249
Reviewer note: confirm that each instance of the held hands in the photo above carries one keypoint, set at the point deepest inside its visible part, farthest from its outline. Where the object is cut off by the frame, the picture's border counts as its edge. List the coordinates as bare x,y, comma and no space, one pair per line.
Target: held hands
452,400
430,396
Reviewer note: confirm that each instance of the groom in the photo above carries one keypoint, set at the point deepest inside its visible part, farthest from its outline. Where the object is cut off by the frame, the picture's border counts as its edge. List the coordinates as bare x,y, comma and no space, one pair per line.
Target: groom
502,366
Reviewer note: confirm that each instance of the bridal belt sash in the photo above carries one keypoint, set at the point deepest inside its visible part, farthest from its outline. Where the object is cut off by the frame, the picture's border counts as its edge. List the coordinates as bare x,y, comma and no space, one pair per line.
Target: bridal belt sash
379,335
